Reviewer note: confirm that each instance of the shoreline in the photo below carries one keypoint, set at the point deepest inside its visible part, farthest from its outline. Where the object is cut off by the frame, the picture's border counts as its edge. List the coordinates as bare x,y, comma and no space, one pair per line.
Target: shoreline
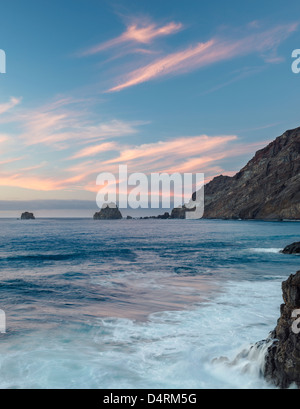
156,218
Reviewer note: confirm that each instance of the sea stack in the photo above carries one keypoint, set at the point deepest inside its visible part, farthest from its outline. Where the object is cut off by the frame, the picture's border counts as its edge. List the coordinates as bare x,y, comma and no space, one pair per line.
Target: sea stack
27,216
282,366
108,212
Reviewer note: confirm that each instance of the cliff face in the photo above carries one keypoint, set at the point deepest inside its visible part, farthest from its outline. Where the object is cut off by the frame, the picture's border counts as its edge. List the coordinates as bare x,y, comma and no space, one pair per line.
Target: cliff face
282,366
268,187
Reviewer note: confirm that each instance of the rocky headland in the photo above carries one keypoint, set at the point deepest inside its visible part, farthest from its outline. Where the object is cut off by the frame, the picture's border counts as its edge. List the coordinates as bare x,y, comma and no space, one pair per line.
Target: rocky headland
267,188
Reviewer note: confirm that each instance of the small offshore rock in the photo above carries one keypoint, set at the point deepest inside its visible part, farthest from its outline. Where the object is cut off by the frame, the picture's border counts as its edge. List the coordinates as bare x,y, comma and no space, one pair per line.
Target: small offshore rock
108,212
27,216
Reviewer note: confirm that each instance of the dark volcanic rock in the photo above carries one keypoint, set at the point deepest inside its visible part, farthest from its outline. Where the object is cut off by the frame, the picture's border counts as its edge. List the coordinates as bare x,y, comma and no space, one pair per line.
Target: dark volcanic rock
267,188
282,366
27,216
293,248
179,212
108,212
166,215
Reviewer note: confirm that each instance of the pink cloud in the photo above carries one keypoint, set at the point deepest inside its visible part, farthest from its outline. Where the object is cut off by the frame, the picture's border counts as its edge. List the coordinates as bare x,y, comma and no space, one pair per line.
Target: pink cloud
146,34
10,160
163,66
9,105
168,152
191,154
264,43
28,182
94,150
137,33
3,138
62,123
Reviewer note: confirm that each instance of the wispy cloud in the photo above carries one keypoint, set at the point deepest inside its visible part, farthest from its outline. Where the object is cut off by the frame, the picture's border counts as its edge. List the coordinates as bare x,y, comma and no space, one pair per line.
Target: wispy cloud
235,77
264,43
200,153
28,182
3,138
94,150
37,134
163,154
63,123
10,160
5,107
137,33
171,63
183,154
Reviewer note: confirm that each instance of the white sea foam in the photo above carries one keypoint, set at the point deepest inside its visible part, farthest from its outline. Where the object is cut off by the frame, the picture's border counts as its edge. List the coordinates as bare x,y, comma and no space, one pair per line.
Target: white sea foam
208,346
266,250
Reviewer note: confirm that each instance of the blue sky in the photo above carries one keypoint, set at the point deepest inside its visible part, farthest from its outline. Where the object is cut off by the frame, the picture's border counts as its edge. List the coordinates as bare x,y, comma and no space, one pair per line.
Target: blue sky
190,86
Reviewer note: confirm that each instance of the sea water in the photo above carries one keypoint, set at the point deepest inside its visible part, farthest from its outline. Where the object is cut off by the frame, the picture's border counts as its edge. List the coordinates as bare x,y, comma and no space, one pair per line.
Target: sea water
140,303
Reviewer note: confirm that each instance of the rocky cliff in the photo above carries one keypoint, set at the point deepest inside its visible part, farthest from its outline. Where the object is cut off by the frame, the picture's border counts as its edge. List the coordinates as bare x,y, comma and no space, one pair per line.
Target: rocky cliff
282,366
268,187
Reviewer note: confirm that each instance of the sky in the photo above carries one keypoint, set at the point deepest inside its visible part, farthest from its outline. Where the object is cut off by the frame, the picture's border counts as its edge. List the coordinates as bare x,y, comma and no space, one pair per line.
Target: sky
159,86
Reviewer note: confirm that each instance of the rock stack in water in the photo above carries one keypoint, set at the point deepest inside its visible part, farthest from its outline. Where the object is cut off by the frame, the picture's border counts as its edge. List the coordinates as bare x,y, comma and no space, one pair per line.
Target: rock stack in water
108,212
27,216
282,366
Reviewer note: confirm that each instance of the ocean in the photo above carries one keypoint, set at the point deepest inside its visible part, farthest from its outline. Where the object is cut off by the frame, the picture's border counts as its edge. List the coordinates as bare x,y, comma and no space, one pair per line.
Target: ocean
139,303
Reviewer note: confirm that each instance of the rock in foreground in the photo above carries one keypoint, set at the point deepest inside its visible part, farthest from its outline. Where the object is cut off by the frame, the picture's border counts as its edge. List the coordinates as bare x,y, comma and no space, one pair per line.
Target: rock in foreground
27,216
293,248
108,212
282,367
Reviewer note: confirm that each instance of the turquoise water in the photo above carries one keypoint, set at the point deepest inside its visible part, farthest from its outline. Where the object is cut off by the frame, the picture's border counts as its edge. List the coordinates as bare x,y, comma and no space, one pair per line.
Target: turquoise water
139,303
